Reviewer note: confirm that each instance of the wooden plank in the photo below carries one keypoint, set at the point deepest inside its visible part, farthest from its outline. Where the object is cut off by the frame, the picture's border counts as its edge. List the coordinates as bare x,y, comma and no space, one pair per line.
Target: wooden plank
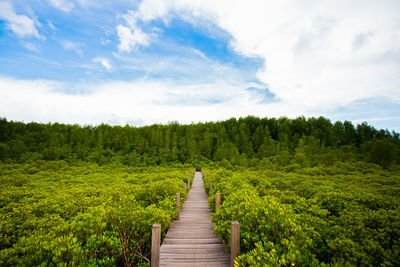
194,260
190,241
220,245
177,264
188,235
190,250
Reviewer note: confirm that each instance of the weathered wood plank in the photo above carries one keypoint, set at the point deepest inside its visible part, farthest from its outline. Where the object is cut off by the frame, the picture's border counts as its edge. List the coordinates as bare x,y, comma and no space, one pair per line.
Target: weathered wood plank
177,264
191,240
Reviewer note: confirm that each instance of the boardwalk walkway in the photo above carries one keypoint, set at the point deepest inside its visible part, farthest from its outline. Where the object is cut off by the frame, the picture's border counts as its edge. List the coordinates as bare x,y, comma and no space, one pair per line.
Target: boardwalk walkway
191,240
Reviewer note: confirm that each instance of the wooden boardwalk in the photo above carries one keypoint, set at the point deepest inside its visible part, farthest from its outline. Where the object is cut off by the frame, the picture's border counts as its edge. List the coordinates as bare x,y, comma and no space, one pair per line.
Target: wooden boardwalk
191,240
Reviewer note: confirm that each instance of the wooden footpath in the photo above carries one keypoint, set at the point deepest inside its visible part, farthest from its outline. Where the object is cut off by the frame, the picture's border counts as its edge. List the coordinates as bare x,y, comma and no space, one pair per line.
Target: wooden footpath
191,241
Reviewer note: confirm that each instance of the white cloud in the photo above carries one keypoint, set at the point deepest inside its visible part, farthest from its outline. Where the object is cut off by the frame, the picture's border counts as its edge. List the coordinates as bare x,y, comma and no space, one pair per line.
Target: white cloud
199,53
150,101
104,62
145,101
51,25
74,46
318,54
63,5
31,46
131,37
21,25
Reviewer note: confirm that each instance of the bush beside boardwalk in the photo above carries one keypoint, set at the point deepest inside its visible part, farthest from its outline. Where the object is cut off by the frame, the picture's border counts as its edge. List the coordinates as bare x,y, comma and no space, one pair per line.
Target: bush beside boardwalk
343,215
53,213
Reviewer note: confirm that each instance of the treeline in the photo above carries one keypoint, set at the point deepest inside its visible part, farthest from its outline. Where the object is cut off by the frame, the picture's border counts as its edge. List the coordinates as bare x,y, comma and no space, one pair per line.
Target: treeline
244,141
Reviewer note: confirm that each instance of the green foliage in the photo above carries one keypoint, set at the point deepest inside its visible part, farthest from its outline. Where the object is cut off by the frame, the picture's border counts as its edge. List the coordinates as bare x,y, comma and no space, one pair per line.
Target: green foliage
4,150
268,230
341,215
234,142
383,152
55,213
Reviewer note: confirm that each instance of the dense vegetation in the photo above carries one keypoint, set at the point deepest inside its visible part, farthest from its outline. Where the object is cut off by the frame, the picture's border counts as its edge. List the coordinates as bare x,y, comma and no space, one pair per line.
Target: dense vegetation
307,192
52,213
346,214
239,142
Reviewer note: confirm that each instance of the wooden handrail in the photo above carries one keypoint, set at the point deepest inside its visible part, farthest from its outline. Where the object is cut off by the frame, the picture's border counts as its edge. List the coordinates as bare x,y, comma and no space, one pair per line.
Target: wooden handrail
178,208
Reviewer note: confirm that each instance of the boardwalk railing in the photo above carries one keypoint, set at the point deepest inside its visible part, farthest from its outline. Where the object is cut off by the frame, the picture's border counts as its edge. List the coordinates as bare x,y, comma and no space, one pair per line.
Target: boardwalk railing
155,245
235,241
235,226
156,233
217,200
191,240
178,207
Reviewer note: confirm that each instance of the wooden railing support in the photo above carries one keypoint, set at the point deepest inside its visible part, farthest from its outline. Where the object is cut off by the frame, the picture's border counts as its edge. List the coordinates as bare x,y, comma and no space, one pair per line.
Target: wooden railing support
210,189
184,187
155,245
178,208
188,183
217,200
235,241
203,172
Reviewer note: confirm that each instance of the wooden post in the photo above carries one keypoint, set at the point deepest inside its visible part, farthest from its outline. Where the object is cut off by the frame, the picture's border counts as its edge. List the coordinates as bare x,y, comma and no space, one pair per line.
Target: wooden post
184,187
178,208
209,191
155,245
189,182
217,200
235,241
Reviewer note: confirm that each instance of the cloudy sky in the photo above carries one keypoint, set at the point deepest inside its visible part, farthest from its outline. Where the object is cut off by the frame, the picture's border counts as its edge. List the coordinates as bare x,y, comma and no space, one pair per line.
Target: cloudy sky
155,61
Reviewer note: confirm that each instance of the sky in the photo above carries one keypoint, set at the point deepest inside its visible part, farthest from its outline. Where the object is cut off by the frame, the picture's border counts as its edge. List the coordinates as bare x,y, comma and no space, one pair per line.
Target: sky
157,61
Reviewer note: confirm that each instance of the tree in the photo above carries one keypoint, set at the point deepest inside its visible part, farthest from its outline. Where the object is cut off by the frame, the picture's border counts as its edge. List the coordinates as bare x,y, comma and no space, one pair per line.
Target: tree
350,133
3,151
226,151
383,152
300,156
268,148
258,138
16,148
338,132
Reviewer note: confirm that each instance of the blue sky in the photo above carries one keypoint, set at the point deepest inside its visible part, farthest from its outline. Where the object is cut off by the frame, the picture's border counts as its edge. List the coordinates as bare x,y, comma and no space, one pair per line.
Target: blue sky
152,61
